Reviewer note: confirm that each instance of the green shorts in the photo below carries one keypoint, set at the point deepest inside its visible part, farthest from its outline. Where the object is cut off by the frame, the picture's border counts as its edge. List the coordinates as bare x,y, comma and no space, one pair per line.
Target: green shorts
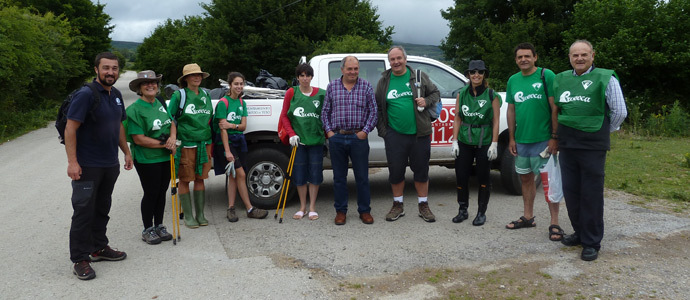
528,159
523,165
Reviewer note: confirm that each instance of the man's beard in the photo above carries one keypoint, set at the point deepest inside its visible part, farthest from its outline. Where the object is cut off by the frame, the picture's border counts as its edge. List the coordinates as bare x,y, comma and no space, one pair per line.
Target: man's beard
104,80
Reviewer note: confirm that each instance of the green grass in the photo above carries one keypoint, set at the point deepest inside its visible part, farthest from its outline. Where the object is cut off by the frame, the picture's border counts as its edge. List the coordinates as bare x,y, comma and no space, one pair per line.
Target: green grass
16,123
651,167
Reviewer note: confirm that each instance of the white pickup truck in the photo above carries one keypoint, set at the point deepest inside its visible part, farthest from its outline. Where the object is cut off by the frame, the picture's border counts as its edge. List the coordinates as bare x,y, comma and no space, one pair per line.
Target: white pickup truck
267,158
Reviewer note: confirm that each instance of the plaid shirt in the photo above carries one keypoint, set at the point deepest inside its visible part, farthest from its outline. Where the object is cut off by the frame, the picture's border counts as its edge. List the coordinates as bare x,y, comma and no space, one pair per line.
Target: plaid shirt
349,110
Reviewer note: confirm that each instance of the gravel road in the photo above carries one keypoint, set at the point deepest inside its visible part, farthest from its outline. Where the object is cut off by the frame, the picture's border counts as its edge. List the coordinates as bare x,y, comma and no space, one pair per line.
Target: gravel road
645,253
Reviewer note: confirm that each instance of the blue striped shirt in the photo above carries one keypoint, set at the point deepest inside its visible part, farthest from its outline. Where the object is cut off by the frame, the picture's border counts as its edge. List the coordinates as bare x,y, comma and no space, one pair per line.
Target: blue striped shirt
349,110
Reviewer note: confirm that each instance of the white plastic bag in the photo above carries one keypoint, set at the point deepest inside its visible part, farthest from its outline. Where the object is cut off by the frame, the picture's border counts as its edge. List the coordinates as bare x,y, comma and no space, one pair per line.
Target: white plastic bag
551,180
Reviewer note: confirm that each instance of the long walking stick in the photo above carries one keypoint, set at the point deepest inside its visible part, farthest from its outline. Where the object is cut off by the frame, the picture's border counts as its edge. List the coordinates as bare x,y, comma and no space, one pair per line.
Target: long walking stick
173,198
286,185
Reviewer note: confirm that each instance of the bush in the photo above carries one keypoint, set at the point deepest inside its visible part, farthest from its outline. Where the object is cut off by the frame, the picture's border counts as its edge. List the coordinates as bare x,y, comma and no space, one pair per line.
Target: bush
670,122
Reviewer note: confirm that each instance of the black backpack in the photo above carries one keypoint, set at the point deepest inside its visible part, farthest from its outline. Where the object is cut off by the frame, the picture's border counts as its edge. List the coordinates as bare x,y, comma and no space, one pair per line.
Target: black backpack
61,120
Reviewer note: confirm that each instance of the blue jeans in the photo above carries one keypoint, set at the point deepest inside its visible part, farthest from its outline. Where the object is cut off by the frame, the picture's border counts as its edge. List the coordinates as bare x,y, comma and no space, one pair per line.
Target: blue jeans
342,146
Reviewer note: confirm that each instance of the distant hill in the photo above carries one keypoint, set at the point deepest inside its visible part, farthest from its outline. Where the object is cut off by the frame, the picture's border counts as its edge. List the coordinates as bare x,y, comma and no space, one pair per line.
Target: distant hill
125,45
429,51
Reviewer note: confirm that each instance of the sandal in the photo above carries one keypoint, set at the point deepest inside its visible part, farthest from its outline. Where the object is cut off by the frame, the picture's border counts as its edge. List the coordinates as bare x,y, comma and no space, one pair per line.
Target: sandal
558,233
522,223
313,215
298,215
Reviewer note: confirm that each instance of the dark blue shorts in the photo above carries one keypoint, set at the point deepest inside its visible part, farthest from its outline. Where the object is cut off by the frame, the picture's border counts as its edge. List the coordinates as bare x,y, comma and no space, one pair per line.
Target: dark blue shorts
308,165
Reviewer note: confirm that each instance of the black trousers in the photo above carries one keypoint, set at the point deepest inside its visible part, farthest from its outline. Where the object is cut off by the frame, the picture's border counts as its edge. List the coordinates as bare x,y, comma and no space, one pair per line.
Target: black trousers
463,169
91,199
155,179
582,172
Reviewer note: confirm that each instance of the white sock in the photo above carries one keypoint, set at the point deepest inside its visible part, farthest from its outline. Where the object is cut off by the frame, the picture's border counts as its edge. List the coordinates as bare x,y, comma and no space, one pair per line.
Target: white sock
422,199
250,210
398,199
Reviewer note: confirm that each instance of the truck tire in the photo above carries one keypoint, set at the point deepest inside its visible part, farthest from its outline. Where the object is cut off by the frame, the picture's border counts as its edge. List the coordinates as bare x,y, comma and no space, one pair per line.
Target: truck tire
509,178
266,170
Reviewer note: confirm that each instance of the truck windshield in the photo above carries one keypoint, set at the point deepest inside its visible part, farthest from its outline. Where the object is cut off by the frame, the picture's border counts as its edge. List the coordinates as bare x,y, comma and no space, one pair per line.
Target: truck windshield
446,82
370,70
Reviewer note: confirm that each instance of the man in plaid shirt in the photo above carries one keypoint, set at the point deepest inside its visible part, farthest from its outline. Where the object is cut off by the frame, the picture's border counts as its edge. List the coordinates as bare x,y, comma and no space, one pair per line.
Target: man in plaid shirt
349,114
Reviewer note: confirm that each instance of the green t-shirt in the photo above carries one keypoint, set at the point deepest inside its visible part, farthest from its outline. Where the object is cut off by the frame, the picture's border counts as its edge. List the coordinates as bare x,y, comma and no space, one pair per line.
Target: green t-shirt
151,120
192,125
305,117
477,116
233,112
400,104
532,110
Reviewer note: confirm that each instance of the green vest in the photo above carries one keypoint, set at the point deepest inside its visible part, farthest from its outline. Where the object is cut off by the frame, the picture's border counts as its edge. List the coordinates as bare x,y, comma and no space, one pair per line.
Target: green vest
193,125
582,99
305,117
151,120
477,117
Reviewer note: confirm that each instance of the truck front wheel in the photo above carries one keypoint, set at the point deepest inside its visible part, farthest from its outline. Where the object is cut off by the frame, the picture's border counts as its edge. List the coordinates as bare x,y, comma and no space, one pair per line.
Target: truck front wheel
266,174
509,178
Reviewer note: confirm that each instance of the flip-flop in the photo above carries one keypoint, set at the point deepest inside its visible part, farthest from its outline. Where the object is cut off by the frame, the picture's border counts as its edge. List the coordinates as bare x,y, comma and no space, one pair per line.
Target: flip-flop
313,215
298,215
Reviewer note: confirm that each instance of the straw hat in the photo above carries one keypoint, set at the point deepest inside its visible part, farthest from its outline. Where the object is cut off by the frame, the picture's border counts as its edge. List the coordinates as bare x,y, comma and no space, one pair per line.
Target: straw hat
142,76
190,69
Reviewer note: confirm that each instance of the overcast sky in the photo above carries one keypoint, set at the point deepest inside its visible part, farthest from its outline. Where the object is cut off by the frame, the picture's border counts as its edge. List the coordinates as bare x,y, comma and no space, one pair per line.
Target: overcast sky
415,21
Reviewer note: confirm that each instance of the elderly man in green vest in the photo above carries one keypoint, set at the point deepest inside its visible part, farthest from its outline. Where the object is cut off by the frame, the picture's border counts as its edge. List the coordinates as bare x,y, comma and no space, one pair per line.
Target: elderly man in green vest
590,106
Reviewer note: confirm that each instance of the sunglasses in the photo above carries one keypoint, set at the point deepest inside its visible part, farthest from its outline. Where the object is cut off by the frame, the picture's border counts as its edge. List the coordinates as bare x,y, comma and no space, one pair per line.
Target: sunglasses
472,72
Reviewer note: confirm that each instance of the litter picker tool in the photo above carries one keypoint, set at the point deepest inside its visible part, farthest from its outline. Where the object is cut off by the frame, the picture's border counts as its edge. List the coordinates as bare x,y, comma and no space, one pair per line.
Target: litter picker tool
286,186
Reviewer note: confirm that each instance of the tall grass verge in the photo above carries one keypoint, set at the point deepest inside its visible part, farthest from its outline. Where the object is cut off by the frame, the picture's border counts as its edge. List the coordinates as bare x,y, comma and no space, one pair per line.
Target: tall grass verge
651,167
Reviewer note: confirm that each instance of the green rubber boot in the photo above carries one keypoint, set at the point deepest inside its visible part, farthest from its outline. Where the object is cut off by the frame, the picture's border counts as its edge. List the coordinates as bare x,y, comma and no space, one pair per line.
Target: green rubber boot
199,201
186,201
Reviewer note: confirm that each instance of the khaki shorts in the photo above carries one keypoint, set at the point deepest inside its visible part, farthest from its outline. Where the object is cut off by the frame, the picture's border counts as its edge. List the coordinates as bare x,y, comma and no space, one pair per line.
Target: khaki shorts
188,165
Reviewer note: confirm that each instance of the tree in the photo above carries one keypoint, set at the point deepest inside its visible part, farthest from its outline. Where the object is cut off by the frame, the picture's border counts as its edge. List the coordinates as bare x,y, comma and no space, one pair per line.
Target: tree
247,36
171,46
90,24
645,42
37,52
489,30
349,44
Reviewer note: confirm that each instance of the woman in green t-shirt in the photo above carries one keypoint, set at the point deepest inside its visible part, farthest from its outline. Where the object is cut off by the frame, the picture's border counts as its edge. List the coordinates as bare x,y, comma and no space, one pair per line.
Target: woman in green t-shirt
231,113
192,109
475,132
153,136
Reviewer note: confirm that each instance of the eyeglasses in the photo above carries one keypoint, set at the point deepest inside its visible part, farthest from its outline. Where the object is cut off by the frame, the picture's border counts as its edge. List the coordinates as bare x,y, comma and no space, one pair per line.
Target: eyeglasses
472,72
149,83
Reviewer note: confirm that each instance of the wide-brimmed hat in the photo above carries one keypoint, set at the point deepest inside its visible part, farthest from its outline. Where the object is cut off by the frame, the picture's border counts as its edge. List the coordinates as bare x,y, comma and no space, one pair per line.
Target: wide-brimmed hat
190,69
477,65
146,75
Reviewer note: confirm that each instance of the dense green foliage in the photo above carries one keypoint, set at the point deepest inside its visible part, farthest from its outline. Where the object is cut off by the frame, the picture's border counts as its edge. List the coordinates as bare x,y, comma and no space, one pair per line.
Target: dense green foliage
349,44
489,30
42,58
89,22
247,36
644,41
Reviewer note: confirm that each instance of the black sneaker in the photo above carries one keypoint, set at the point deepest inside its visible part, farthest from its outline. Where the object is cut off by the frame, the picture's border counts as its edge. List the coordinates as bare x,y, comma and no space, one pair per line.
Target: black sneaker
150,237
163,233
108,253
83,270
